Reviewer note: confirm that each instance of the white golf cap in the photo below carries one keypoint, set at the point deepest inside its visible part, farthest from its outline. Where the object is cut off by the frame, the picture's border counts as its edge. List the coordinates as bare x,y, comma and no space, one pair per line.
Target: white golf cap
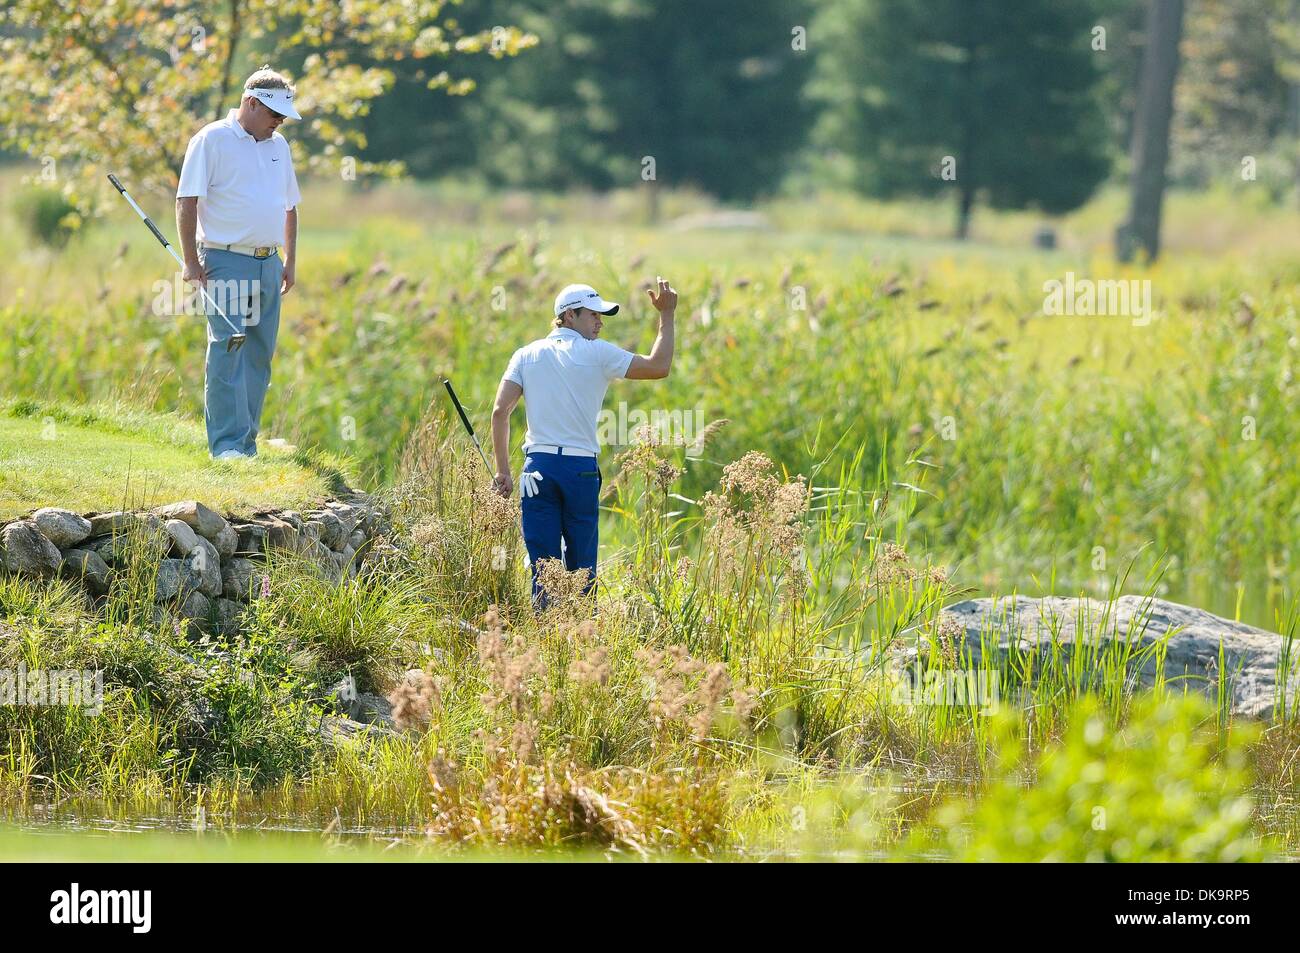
280,100
582,296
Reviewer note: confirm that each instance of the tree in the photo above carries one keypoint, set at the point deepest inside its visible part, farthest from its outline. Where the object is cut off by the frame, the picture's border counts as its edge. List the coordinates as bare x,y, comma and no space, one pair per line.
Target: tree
1151,123
709,90
123,84
990,99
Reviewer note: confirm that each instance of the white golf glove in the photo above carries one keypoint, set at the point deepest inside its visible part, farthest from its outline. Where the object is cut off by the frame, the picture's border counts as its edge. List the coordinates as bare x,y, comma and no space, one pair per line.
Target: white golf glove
528,481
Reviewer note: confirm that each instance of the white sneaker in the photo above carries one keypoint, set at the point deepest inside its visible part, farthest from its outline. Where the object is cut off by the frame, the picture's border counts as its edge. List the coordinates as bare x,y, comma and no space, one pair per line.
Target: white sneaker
231,455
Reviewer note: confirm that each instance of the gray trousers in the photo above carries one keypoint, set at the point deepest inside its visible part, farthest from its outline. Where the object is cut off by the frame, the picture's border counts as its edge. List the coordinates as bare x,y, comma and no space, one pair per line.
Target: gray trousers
248,290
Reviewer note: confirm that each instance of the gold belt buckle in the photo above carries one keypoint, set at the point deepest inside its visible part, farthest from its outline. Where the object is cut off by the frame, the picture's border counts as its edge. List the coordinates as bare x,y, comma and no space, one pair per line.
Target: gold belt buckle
263,251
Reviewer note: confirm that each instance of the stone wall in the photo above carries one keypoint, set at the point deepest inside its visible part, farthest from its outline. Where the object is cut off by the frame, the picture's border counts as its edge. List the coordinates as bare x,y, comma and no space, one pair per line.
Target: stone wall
209,569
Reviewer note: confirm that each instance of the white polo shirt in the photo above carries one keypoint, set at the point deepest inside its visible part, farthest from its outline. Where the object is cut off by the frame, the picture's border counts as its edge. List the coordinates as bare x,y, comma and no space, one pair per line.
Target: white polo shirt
564,377
244,186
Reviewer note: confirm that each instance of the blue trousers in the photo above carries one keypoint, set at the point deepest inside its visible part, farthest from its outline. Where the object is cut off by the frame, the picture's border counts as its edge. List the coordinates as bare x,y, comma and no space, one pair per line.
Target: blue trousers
248,290
566,507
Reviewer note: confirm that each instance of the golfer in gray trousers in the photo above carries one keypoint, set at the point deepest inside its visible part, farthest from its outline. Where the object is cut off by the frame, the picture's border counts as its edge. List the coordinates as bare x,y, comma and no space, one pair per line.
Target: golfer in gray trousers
236,205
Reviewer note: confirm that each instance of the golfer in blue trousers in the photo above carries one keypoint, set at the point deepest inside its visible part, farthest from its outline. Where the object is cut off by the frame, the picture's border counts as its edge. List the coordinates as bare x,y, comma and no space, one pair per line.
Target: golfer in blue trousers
562,379
236,205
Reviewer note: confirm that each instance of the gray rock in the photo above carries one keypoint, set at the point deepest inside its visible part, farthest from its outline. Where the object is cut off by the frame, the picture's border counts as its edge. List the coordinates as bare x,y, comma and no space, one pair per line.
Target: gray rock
227,542
110,524
183,537
229,614
24,549
85,564
317,552
252,538
122,523
348,515
170,574
111,549
203,568
202,520
1022,626
357,539
312,530
333,531
279,534
292,517
237,578
196,608
338,732
361,706
63,528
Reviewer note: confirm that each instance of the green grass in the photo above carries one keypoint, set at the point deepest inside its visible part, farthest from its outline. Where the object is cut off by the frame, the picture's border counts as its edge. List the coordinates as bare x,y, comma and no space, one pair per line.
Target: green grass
108,457
999,449
1074,439
731,700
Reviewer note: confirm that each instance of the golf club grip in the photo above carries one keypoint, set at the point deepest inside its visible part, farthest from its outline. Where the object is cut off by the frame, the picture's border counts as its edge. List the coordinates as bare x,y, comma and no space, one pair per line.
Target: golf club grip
459,409
156,234
139,211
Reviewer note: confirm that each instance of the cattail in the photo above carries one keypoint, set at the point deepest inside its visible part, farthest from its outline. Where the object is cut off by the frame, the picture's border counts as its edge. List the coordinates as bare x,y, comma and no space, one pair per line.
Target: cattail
706,435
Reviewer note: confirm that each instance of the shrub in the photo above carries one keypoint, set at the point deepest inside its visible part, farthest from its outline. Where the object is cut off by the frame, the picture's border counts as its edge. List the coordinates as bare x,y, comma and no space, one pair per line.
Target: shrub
47,215
1160,789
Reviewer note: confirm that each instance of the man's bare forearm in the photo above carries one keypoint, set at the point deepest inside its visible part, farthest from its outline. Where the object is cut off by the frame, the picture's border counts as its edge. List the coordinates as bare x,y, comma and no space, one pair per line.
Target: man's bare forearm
661,355
291,235
501,440
187,223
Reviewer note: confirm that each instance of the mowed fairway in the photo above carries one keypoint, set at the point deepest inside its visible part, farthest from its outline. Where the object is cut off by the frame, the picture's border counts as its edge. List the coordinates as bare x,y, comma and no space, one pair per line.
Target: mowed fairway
99,464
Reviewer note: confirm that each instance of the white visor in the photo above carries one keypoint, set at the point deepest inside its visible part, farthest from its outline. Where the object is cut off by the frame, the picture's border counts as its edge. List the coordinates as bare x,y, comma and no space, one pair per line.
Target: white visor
279,100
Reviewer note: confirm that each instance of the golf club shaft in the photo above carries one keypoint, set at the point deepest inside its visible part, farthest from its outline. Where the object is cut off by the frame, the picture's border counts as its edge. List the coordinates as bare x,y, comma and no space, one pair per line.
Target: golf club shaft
464,419
171,250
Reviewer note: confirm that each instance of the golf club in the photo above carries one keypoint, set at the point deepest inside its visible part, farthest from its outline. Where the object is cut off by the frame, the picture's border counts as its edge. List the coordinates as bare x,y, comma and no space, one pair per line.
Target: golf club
236,340
468,426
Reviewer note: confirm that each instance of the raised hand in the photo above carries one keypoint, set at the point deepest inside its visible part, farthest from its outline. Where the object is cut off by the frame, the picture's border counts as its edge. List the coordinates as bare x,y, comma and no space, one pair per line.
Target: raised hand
665,299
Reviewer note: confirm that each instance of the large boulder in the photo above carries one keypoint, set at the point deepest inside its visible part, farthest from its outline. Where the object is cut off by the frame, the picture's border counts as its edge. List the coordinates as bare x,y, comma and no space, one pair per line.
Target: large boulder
228,616
348,515
122,523
207,523
237,578
184,539
85,565
252,539
170,575
203,569
1019,627
227,542
196,608
110,524
24,549
63,528
333,531
279,534
111,549
366,707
